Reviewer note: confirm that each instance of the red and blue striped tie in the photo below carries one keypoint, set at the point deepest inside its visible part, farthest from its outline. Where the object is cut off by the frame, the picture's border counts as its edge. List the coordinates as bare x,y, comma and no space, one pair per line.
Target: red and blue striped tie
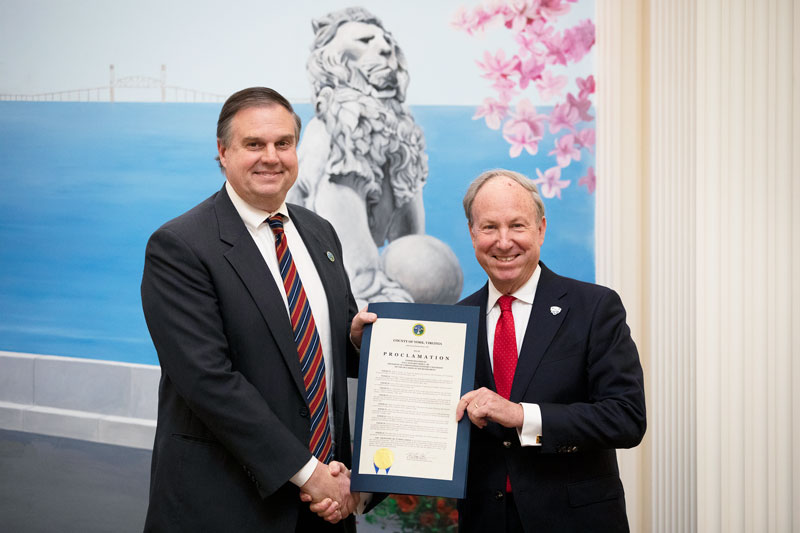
309,349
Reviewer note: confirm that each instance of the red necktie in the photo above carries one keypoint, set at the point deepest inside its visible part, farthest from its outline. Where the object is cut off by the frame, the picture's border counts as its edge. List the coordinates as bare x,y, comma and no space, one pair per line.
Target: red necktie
505,353
309,349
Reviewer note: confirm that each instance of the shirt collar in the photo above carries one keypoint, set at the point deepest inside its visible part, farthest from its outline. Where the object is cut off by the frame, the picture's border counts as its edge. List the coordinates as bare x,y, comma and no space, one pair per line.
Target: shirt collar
523,294
252,217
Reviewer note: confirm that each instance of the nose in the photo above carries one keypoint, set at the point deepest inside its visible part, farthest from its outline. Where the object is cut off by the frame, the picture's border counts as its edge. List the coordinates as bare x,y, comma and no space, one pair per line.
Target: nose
383,46
503,238
269,154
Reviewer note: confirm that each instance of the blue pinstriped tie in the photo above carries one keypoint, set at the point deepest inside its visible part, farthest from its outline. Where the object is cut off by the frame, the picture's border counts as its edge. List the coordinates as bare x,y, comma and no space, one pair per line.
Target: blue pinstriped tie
309,349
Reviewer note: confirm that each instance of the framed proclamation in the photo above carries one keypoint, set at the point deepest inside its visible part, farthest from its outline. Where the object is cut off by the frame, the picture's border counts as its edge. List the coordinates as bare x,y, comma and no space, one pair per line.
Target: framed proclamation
417,360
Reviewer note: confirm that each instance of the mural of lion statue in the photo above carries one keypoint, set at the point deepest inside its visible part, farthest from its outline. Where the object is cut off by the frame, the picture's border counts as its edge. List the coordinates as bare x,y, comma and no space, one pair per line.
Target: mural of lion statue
362,157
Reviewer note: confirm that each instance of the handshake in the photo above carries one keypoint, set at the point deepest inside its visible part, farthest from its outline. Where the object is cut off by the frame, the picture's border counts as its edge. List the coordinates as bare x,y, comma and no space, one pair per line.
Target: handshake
328,492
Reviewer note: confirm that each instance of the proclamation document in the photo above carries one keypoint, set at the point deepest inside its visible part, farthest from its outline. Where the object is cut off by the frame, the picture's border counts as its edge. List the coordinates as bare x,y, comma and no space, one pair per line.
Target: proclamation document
417,360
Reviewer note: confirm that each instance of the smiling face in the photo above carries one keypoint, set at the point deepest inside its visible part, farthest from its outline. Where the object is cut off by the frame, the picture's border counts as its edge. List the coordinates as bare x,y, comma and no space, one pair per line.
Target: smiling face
260,158
506,232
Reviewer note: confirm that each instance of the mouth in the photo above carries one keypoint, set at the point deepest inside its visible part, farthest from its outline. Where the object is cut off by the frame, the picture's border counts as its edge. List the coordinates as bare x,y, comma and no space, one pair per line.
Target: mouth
505,258
267,173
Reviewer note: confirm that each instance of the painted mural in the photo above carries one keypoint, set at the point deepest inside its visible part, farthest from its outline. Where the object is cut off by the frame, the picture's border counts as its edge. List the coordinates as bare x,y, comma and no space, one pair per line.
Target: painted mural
95,157
402,106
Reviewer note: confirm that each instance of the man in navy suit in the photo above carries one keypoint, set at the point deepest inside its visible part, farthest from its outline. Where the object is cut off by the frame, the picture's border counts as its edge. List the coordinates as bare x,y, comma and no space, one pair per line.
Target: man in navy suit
232,447
558,383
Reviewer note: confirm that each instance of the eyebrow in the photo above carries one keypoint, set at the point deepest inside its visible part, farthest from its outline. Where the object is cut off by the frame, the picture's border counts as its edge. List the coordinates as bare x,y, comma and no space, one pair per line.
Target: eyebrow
287,137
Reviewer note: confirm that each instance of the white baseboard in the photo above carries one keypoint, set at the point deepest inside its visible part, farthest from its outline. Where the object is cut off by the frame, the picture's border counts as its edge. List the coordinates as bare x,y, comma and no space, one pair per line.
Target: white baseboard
99,401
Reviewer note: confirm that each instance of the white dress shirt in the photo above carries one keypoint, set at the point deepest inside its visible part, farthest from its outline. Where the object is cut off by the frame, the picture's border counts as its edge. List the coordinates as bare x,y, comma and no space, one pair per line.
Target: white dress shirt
531,429
255,220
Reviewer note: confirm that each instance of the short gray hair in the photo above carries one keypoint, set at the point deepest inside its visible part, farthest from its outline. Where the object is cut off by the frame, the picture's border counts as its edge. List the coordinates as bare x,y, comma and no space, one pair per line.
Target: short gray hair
525,182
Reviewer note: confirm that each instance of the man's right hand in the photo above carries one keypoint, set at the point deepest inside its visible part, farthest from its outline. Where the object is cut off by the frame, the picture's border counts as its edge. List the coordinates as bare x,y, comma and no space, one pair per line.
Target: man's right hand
360,321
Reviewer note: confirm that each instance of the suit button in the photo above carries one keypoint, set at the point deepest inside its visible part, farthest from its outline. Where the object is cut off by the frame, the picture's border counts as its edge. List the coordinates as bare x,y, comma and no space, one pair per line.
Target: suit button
506,444
304,412
498,495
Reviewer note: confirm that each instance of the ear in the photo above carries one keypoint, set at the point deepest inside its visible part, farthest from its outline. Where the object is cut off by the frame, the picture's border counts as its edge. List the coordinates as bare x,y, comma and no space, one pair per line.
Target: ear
471,234
221,149
542,229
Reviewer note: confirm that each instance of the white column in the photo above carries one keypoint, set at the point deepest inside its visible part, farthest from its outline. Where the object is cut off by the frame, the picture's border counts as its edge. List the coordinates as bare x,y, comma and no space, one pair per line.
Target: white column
620,201
716,243
672,219
748,273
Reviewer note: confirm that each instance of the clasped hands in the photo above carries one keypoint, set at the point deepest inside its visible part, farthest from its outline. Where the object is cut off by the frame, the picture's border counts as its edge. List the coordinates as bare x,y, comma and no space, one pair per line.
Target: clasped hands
328,492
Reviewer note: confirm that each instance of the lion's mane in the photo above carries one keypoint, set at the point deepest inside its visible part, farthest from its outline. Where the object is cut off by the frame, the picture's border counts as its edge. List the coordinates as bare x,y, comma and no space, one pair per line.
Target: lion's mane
372,133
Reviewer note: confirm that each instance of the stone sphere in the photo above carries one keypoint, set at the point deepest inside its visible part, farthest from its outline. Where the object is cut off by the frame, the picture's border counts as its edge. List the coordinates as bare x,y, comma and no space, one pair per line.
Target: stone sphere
426,267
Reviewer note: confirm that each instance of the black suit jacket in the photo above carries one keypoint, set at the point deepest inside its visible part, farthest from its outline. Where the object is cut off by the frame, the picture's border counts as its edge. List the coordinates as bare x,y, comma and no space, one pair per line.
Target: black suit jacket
582,368
233,424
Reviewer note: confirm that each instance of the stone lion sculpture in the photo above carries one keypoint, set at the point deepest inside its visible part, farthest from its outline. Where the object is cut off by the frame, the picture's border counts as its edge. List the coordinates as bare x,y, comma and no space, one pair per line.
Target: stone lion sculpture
362,157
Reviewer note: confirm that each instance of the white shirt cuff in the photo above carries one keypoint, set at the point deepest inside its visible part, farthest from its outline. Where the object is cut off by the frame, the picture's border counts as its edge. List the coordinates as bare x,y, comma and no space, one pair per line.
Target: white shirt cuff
530,434
304,474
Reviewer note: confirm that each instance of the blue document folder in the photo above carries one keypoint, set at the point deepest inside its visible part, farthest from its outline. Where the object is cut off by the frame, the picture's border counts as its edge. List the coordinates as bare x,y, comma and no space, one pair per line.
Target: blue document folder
424,319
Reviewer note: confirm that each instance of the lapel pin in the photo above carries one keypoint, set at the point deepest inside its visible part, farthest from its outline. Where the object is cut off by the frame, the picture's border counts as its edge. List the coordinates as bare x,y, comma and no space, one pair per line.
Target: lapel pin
555,310
331,258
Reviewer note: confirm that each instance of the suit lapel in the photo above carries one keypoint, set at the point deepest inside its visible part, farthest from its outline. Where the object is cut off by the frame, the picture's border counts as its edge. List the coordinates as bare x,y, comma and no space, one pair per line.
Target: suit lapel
247,261
484,377
542,328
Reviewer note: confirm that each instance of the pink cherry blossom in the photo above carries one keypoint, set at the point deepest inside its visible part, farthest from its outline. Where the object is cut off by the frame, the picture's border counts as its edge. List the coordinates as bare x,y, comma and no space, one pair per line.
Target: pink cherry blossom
550,183
553,8
550,86
542,44
556,50
497,66
581,106
463,20
505,88
520,12
493,112
565,150
525,129
529,70
563,116
586,86
540,29
590,180
529,38
586,139
496,8
527,41
481,18
527,112
578,40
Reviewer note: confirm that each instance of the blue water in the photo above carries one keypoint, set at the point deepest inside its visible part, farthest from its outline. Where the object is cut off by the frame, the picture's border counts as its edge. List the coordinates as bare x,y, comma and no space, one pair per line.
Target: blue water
83,185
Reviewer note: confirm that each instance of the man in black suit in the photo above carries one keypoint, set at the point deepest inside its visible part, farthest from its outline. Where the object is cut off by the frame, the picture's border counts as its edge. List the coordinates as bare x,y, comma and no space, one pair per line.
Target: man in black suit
238,417
558,383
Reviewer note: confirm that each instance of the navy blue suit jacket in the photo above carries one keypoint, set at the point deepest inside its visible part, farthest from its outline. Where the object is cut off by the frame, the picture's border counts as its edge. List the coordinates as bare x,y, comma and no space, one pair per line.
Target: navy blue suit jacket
581,367
233,424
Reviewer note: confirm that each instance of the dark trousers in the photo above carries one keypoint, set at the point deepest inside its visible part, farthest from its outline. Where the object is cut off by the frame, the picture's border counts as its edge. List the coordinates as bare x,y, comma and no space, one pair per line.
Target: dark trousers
513,523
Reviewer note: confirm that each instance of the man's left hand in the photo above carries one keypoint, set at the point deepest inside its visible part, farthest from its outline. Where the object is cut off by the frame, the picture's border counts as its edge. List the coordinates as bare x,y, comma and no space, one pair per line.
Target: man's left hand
484,406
